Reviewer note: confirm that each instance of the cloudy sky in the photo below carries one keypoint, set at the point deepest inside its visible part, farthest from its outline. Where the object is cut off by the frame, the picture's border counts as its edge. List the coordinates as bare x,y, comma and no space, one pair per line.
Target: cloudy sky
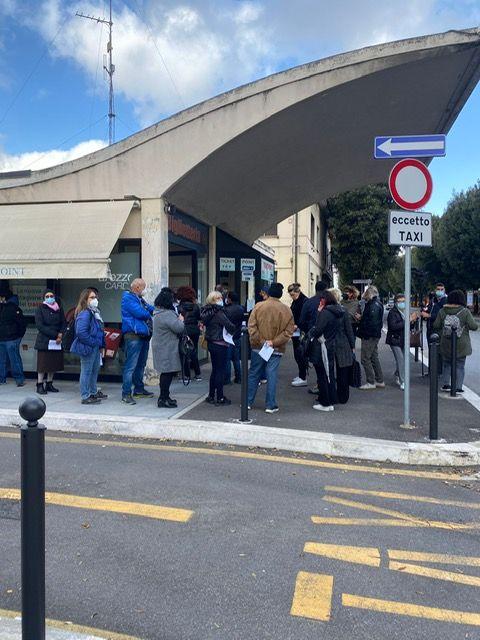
171,54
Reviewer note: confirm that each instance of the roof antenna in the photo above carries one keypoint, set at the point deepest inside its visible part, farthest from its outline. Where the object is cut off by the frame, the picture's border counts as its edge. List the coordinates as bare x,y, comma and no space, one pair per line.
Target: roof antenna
110,70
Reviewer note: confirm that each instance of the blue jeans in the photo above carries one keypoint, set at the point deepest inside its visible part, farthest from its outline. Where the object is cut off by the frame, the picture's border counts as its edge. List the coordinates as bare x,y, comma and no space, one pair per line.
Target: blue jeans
447,372
136,354
258,369
233,356
10,353
89,368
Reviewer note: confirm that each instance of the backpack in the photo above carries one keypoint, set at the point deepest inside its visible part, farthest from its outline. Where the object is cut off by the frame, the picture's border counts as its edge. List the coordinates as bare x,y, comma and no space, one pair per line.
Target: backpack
68,335
186,349
452,322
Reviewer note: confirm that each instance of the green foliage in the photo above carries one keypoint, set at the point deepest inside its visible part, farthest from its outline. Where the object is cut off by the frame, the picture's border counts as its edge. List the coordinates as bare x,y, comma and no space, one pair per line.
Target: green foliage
358,224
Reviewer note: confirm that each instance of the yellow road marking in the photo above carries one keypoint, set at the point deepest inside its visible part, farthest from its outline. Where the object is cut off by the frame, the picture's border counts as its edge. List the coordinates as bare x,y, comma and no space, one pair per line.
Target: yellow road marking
397,554
431,475
73,628
403,496
392,522
427,572
313,596
397,514
369,556
103,504
408,609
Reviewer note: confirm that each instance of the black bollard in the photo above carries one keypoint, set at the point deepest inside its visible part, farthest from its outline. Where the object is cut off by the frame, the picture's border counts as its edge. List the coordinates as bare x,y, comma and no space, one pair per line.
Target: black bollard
433,370
244,355
453,362
33,519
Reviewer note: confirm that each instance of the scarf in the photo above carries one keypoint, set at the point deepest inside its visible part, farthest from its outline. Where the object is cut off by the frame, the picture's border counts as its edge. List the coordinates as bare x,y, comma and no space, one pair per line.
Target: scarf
53,306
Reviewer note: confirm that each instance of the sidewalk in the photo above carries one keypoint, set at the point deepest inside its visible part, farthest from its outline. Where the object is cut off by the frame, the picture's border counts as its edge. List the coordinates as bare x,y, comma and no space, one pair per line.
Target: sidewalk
369,414
367,428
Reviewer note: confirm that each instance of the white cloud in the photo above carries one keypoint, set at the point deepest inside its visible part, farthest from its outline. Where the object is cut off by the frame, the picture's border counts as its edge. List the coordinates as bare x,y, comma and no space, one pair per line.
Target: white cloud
40,160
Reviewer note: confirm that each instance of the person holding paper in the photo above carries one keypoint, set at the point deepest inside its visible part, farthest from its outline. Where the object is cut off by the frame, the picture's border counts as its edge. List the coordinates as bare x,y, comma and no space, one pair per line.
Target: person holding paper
216,323
50,322
270,327
298,300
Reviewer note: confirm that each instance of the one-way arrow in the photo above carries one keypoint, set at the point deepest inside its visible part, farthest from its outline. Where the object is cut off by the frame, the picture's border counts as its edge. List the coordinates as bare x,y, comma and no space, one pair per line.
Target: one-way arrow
426,146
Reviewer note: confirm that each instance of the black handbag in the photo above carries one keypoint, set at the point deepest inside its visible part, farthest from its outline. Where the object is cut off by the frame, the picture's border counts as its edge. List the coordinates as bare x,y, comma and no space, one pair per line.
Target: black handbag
355,380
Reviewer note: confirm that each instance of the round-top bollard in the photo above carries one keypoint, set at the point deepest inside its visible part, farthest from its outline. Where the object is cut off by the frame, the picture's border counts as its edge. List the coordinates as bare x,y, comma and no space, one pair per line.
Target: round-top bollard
433,370
33,519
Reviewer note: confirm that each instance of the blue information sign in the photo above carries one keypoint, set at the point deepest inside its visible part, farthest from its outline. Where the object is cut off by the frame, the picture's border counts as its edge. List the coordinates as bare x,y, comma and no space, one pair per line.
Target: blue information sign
426,146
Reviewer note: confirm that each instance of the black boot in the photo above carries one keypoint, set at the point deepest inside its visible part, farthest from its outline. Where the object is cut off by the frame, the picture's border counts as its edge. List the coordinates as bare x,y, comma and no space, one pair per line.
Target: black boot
41,389
171,403
51,388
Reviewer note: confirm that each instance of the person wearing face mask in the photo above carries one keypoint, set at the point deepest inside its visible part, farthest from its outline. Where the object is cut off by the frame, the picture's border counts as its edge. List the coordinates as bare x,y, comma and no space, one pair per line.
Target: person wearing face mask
12,330
396,334
137,331
50,323
89,344
213,316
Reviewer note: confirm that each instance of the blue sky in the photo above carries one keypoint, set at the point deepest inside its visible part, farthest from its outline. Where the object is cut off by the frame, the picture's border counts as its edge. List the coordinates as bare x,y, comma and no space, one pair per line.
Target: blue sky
171,54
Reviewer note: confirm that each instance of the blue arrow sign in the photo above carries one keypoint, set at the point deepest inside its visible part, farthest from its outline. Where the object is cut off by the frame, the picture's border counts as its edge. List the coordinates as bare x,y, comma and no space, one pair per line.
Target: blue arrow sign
410,146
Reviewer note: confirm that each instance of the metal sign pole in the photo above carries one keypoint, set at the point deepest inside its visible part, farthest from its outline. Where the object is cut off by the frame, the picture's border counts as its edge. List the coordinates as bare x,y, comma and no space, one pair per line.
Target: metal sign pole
408,287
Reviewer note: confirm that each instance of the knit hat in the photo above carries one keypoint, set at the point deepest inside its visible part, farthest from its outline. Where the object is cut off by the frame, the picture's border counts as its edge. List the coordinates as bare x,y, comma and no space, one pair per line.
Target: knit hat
275,290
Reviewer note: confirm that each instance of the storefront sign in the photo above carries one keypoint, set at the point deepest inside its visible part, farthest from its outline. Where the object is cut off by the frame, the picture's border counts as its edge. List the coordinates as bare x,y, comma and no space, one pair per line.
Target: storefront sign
227,264
248,276
187,230
267,270
30,296
12,272
247,264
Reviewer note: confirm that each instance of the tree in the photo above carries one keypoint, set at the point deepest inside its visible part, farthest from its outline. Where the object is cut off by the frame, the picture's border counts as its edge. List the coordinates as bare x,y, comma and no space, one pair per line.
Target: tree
458,239
428,262
358,225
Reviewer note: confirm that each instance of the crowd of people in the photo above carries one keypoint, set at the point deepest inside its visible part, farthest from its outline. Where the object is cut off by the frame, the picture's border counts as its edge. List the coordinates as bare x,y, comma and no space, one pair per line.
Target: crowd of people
323,329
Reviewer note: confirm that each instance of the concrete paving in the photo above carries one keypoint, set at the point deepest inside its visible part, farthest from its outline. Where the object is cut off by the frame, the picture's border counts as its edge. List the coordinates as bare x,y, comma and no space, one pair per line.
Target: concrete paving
11,629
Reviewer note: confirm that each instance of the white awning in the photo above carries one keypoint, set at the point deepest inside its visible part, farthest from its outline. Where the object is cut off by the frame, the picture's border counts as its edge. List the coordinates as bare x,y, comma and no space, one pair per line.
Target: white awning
59,240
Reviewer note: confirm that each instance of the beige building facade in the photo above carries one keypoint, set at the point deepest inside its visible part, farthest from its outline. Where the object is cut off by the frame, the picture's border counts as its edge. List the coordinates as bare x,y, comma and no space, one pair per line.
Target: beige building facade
302,250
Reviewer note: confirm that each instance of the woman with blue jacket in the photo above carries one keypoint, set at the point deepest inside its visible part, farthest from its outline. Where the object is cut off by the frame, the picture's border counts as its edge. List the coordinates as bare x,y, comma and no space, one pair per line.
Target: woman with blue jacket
89,344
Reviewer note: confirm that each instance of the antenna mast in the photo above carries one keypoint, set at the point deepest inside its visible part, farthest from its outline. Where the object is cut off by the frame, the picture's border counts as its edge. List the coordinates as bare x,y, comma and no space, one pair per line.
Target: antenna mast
110,69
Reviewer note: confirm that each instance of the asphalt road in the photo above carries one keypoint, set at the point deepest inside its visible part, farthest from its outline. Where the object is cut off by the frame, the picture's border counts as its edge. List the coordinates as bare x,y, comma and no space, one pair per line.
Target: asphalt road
238,568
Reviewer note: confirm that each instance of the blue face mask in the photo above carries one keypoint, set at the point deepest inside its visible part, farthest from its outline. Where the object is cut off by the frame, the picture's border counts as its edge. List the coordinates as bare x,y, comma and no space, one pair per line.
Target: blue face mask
401,305
439,293
50,300
219,303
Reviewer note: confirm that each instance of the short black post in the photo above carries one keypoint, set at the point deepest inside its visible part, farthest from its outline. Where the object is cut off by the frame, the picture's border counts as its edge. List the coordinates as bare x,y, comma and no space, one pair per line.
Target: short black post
244,357
433,370
33,519
416,354
453,362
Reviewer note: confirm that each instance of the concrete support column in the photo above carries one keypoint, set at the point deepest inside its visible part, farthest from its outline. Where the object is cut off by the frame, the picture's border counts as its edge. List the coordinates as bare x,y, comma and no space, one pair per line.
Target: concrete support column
154,259
212,258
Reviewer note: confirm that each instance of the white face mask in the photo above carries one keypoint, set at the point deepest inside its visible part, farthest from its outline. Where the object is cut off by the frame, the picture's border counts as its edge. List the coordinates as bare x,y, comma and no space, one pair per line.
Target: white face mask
219,303
93,304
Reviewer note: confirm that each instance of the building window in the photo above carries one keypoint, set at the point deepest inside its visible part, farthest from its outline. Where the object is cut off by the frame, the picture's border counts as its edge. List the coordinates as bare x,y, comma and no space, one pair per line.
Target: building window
312,229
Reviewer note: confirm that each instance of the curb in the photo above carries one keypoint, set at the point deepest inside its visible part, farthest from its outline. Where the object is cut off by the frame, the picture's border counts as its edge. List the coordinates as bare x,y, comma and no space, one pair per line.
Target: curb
411,453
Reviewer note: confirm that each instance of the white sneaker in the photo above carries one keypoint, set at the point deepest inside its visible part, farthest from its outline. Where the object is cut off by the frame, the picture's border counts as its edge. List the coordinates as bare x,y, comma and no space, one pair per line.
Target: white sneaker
367,387
320,407
272,410
263,381
380,385
402,386
298,382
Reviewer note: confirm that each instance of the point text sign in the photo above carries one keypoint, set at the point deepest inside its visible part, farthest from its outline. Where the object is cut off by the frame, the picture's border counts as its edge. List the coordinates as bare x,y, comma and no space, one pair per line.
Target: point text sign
410,229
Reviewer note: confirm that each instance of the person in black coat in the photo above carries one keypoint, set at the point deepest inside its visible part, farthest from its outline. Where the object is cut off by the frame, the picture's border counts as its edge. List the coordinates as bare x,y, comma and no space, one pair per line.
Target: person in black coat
396,335
213,317
344,351
298,301
12,330
50,322
236,314
328,325
190,311
370,332
309,311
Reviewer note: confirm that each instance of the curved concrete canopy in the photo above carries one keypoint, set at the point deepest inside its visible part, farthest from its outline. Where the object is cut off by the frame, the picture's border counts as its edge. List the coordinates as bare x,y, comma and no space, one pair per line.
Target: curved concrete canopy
246,159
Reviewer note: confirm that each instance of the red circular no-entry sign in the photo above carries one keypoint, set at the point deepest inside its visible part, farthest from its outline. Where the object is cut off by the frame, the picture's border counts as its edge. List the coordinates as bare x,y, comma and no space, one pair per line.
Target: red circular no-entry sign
410,184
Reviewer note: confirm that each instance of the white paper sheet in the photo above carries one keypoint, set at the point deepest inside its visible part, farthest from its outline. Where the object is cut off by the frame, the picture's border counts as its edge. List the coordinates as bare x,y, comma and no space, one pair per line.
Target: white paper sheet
228,337
53,346
266,352
296,333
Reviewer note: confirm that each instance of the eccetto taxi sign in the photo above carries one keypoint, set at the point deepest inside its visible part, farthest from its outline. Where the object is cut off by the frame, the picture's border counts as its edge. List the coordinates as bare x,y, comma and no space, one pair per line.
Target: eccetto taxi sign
410,229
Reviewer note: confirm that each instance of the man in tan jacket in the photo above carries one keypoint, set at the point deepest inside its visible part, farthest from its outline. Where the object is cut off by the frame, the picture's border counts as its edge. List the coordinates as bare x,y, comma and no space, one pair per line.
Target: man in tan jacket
271,324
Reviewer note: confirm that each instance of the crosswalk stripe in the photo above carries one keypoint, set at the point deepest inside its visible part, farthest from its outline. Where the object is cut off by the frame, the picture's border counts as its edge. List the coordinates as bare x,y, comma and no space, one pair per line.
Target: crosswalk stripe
369,556
441,558
438,574
313,596
392,522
